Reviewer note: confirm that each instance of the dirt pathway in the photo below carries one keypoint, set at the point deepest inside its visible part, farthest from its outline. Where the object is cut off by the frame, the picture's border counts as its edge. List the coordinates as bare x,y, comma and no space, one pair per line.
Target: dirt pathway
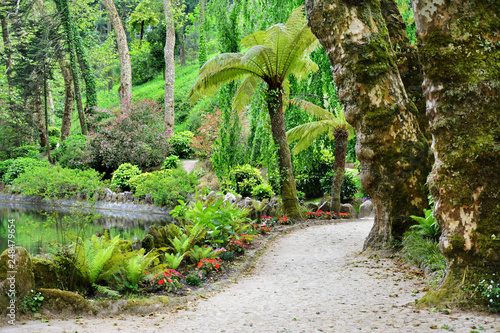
310,280
189,165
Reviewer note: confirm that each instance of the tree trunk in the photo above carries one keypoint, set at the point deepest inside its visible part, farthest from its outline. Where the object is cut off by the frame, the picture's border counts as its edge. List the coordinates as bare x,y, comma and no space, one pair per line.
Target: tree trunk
458,47
288,190
391,149
51,105
69,100
125,89
169,67
7,50
39,119
341,138
182,47
408,63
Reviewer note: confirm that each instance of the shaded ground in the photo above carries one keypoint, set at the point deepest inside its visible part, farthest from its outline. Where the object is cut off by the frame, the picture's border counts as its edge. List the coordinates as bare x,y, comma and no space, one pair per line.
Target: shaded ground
310,280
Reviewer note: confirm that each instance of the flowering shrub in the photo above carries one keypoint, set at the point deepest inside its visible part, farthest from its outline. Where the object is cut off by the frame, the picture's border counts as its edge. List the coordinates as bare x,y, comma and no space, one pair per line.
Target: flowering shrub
207,134
489,291
194,279
167,280
246,238
236,245
319,214
285,220
133,133
208,265
267,223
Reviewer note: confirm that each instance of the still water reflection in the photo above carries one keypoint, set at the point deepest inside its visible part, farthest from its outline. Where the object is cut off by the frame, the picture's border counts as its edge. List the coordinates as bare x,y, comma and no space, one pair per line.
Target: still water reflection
37,226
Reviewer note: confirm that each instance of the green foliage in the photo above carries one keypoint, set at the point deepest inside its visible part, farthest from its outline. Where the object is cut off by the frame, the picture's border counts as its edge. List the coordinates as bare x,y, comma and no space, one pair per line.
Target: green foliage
135,267
74,152
244,178
349,187
166,188
173,260
226,255
427,227
140,60
123,174
312,172
53,141
30,151
50,182
262,191
170,162
193,279
98,259
222,220
32,301
197,253
489,291
181,144
15,168
55,131
424,252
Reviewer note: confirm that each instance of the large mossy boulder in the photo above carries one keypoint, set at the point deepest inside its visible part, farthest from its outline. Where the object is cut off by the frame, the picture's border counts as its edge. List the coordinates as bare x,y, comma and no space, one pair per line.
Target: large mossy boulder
62,301
45,272
16,271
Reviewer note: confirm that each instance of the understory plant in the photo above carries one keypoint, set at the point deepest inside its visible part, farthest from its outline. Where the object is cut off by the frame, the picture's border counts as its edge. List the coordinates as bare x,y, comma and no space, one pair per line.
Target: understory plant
135,267
489,291
123,174
32,301
167,280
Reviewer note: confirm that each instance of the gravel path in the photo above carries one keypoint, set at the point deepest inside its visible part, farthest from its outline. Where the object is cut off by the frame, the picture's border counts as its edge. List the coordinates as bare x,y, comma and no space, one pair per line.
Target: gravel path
310,280
189,165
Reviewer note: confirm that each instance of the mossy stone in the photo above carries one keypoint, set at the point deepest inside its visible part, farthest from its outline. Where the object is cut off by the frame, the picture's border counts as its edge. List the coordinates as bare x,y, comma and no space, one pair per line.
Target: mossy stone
24,279
45,273
62,301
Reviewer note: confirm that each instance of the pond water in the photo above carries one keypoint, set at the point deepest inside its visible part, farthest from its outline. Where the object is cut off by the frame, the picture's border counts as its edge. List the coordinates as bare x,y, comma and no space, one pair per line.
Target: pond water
37,226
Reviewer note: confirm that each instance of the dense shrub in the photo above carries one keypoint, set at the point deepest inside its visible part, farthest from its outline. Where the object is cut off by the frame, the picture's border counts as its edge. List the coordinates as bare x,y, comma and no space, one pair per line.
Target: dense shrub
262,191
30,151
20,165
58,182
122,175
74,152
134,133
4,166
244,178
53,141
166,187
170,162
140,60
308,176
55,131
181,144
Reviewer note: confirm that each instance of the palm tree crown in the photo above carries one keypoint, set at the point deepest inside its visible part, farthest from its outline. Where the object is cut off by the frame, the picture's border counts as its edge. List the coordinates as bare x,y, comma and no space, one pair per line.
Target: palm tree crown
270,57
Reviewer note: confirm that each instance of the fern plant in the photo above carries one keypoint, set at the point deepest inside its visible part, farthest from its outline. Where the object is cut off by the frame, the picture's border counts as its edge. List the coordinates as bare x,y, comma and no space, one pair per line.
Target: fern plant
174,260
98,260
427,226
134,268
198,253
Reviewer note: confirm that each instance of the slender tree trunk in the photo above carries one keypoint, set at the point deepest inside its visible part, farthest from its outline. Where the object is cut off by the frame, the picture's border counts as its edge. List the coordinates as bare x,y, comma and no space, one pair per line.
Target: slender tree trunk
69,100
141,34
46,118
459,50
169,67
391,149
341,138
39,119
50,100
182,47
125,89
288,190
7,50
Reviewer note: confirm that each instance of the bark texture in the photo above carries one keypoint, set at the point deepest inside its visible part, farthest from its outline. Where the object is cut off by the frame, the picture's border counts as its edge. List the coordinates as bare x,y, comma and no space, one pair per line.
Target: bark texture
125,89
69,99
459,47
391,149
169,66
291,206
40,120
341,137
6,46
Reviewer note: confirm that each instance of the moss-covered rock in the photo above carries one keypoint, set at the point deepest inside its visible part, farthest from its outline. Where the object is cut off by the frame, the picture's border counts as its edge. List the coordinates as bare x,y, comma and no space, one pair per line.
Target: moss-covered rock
45,273
16,273
61,301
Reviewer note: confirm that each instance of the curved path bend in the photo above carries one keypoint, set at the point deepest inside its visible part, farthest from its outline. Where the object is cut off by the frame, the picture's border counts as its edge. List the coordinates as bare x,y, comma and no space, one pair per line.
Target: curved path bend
311,280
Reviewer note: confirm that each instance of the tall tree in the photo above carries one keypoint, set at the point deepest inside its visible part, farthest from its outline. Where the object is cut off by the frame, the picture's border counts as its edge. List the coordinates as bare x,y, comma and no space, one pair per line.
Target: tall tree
125,89
460,52
169,65
337,127
69,98
392,150
271,56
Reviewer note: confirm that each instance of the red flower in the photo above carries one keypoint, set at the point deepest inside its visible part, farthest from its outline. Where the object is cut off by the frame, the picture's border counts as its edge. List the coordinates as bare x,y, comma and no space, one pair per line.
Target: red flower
161,282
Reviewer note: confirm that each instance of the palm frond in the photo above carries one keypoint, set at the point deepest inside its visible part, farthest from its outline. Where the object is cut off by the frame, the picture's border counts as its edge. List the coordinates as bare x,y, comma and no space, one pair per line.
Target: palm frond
306,134
257,38
313,109
259,57
245,92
